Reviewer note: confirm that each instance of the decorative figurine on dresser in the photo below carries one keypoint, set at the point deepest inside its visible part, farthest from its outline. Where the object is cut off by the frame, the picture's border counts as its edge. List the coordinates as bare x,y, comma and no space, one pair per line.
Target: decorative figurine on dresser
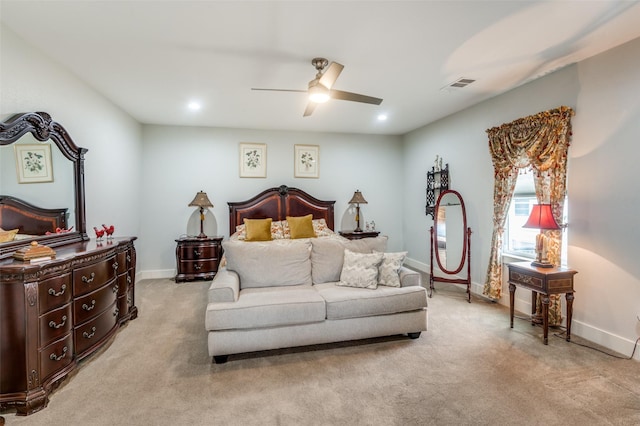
198,257
63,296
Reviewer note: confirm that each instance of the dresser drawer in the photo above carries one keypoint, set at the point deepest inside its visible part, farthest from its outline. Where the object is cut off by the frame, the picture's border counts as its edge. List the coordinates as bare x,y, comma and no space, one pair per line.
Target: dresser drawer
195,252
124,281
93,276
55,324
93,331
56,356
88,306
54,292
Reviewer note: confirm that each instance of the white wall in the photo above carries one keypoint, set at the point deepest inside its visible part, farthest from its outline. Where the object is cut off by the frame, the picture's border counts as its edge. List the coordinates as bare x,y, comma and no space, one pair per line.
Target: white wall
30,81
603,202
180,161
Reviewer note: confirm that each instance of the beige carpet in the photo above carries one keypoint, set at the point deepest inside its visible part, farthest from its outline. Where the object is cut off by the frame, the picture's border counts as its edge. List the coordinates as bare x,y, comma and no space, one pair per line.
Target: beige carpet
470,368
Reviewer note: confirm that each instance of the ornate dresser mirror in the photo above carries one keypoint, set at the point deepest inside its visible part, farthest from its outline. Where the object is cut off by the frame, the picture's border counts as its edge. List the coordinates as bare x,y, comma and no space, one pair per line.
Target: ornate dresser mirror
450,243
48,207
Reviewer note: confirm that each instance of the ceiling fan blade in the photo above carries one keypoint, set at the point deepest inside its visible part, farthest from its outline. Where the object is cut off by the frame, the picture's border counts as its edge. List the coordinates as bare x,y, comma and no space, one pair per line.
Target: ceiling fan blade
279,90
331,74
309,109
355,97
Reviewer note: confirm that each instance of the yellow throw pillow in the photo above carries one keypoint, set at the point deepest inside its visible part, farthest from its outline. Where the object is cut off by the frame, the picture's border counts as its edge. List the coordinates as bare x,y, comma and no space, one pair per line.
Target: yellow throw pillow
6,236
301,226
258,229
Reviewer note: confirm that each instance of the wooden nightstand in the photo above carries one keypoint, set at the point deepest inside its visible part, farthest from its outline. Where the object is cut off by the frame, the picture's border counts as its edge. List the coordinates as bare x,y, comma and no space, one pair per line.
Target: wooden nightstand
359,235
545,281
198,258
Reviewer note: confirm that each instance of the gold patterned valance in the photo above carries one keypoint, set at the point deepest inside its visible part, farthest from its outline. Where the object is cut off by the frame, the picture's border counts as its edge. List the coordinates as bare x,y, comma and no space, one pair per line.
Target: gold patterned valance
540,141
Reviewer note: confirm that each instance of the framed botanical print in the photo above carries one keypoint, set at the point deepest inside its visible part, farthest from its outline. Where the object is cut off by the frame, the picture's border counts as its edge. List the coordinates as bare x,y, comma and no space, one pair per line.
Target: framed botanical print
253,160
33,163
307,161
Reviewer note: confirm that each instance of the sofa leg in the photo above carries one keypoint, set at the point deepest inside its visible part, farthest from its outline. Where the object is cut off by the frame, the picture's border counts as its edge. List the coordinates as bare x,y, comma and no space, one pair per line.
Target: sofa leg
414,335
221,359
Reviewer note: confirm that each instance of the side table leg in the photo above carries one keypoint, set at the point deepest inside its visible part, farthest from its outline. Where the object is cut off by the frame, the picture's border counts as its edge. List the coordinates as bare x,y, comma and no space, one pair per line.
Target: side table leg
569,297
512,291
545,317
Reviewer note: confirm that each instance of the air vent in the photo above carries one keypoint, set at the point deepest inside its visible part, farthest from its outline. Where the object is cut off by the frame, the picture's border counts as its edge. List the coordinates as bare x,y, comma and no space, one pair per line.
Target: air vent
458,84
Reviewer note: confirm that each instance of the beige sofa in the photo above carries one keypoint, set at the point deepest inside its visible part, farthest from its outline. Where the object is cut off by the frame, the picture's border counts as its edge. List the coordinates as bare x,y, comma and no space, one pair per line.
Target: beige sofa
279,294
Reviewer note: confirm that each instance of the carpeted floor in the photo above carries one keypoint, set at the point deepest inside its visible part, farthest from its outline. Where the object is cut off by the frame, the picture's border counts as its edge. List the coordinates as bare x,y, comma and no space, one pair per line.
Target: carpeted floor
470,368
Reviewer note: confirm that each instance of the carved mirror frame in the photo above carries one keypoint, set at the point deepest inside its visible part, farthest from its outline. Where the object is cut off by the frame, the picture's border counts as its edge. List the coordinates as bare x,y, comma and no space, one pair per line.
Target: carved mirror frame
43,128
465,248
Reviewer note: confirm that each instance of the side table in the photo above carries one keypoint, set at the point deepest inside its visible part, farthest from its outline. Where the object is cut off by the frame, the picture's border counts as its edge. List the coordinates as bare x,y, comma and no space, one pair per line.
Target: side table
198,258
546,281
359,235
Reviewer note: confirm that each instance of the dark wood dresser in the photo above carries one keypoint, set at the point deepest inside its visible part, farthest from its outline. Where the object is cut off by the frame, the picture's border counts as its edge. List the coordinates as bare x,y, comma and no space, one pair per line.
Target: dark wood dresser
56,312
198,258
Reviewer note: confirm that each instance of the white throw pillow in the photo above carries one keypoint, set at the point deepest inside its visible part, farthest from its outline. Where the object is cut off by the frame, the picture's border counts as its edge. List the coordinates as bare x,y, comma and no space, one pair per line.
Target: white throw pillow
389,271
360,269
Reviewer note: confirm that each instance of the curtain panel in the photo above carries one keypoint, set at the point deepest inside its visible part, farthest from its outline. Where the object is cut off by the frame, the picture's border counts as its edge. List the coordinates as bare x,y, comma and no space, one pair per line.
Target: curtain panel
539,142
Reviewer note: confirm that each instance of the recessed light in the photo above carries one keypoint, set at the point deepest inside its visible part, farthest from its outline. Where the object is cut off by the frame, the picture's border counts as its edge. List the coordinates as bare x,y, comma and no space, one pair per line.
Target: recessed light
194,106
382,117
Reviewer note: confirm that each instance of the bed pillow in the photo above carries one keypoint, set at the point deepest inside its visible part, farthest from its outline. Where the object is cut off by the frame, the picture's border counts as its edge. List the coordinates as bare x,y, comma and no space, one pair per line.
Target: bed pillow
257,229
360,270
301,226
6,236
389,270
269,263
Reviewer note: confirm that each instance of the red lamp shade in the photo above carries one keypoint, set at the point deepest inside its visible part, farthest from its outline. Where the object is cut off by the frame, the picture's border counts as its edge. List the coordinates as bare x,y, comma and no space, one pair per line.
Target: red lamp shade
541,217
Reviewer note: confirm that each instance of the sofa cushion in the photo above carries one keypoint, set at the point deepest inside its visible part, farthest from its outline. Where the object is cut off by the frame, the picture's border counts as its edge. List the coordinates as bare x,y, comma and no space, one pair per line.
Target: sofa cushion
257,229
350,302
389,270
360,269
268,264
327,255
267,307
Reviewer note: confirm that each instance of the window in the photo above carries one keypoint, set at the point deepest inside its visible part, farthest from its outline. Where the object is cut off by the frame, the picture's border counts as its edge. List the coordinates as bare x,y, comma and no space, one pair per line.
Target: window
520,241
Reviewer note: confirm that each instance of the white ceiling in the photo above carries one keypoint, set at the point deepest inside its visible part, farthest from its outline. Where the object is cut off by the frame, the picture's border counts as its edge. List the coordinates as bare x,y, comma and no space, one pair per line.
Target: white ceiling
152,57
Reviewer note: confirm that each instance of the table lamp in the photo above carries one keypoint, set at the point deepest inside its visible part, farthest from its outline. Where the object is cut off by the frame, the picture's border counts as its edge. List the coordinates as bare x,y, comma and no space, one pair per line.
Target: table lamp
201,200
541,218
357,199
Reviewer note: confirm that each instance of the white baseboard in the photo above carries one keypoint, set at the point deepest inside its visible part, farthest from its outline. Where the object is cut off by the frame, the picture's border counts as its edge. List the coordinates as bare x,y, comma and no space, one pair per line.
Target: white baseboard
615,343
157,274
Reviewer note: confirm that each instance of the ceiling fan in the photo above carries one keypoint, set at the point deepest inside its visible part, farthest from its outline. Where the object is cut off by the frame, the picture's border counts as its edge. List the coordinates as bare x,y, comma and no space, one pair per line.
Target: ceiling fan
320,90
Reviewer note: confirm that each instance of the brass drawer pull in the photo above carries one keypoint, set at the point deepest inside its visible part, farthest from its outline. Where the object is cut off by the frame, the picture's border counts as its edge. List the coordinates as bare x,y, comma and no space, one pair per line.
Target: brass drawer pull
197,266
60,293
129,279
197,253
53,357
116,312
89,307
128,258
115,288
89,335
90,279
52,324
115,265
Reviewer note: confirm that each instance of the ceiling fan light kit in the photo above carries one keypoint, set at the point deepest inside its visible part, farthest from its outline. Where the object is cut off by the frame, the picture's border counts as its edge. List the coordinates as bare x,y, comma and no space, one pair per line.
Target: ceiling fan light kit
319,90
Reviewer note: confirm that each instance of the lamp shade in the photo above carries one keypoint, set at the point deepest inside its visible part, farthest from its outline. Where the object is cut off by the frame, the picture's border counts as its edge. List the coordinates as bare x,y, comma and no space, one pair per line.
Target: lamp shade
357,198
201,200
541,217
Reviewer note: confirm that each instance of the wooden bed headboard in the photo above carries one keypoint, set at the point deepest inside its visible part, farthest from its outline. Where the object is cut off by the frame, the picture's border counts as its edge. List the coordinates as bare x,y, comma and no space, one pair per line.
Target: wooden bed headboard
29,219
278,203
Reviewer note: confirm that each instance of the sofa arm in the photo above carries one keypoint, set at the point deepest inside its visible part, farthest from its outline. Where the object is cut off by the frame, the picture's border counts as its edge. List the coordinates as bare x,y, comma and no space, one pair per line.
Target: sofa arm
409,277
224,287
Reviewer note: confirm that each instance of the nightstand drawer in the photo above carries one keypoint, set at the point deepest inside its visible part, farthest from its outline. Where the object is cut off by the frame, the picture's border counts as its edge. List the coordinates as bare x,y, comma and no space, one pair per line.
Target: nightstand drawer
527,281
198,266
194,252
